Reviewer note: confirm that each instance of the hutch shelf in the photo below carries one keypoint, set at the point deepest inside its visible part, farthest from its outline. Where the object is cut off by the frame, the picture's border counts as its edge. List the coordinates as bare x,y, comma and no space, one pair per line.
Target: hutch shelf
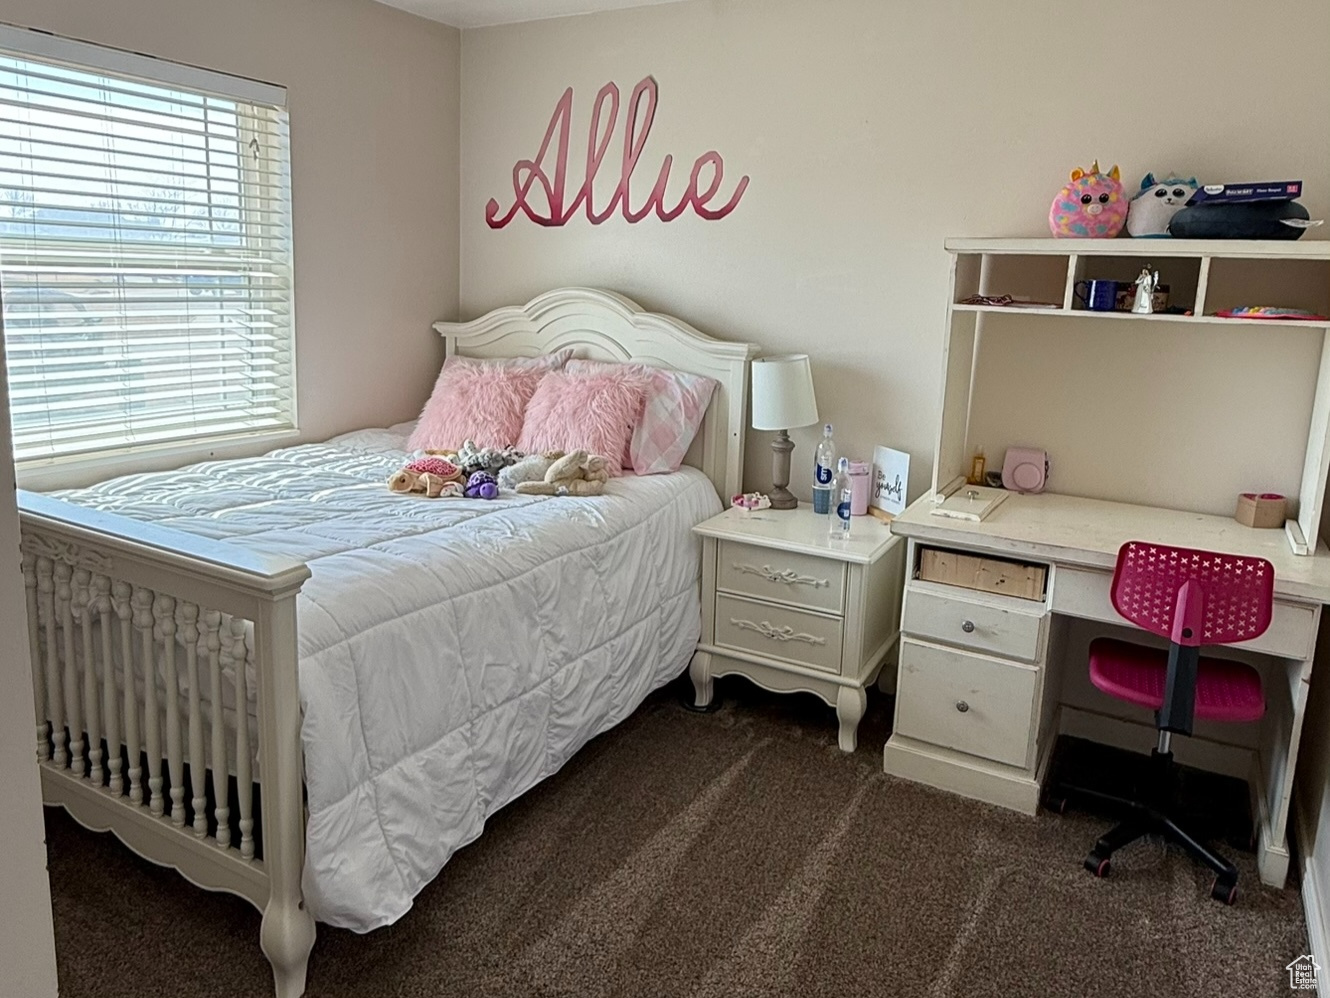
1203,277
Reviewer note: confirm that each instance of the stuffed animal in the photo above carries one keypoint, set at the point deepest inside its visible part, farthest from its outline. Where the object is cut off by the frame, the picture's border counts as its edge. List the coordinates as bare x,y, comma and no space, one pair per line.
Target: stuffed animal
531,468
433,477
481,485
1155,204
472,458
423,483
575,474
1092,206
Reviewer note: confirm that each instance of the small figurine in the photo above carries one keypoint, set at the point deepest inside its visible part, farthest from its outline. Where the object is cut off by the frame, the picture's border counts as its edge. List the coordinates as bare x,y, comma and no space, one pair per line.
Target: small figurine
750,501
1145,290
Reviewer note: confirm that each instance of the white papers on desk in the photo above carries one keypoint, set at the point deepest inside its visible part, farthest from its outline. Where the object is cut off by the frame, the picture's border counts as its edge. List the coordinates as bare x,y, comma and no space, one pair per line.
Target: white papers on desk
970,502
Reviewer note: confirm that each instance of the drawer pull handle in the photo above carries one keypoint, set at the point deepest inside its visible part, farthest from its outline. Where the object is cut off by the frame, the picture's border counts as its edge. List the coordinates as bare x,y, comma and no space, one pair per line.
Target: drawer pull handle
967,626
962,706
786,633
787,576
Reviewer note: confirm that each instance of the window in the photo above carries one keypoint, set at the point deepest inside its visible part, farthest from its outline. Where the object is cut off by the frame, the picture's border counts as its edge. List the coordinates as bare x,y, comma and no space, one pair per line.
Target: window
145,250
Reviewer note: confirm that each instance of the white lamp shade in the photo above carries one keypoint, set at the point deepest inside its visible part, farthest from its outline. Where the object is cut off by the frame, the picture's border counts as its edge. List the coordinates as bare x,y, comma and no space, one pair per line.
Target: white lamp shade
783,392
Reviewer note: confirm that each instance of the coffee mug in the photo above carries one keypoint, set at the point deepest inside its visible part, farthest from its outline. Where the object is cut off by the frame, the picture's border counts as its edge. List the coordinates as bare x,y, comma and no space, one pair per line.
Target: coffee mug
1098,296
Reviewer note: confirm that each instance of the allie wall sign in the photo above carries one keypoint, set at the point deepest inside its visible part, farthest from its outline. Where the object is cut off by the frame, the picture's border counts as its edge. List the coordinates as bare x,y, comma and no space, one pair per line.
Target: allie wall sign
545,199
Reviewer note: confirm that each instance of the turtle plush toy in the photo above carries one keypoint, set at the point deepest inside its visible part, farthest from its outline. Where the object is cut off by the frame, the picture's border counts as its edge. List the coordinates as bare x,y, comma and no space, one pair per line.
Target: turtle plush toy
481,485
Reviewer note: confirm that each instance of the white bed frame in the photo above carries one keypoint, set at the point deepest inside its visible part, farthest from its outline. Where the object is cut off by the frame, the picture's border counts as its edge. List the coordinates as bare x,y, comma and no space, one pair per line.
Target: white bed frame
147,601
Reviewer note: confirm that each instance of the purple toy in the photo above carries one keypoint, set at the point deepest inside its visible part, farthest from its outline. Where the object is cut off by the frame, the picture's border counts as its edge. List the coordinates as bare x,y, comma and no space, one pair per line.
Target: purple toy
481,485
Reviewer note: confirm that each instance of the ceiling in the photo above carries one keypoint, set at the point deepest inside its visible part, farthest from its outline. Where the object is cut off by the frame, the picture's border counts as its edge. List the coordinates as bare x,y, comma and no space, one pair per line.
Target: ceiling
479,13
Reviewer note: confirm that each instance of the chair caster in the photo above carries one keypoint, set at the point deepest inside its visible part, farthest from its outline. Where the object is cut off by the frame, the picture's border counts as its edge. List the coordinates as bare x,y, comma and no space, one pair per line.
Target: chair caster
1224,891
1097,864
1055,805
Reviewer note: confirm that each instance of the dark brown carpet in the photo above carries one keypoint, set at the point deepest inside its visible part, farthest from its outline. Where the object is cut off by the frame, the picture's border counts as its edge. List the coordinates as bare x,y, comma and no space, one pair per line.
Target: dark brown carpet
717,856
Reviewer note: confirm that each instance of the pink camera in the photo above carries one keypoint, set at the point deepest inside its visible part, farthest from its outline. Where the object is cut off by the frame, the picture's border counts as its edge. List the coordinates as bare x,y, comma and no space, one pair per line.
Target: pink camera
1025,469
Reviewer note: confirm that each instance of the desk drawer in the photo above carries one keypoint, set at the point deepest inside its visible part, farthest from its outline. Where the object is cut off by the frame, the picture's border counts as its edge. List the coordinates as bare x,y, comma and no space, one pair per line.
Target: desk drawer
1001,624
966,702
983,573
807,639
1084,592
764,573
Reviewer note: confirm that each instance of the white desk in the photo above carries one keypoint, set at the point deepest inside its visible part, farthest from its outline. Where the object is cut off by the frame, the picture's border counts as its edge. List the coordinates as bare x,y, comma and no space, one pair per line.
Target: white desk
978,703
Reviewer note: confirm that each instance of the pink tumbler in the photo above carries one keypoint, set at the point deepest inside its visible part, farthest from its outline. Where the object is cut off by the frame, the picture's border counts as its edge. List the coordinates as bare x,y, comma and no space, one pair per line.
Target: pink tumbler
858,488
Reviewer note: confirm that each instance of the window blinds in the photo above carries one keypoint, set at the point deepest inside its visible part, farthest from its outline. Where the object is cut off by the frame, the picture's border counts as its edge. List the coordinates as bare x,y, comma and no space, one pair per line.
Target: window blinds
145,250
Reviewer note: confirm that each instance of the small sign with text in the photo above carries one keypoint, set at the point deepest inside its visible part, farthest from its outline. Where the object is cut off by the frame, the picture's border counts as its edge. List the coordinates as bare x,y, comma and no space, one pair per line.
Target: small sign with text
891,475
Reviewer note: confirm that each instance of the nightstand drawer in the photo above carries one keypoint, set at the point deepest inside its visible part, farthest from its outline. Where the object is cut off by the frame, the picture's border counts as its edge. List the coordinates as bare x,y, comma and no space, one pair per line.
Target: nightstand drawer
765,573
966,702
807,639
1002,624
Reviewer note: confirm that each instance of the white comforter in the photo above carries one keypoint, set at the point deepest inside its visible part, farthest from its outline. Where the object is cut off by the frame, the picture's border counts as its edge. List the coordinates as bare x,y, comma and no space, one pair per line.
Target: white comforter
453,653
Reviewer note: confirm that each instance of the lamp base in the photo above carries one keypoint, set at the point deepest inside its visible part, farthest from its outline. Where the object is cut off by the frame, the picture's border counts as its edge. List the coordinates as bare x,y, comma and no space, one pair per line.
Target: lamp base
781,497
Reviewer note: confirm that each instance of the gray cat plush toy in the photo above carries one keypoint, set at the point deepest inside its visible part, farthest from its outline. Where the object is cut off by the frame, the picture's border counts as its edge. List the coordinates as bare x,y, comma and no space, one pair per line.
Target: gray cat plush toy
1156,203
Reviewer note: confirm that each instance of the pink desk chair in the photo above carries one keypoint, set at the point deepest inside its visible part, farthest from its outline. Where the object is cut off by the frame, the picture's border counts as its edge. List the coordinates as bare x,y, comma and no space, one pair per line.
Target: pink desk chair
1193,598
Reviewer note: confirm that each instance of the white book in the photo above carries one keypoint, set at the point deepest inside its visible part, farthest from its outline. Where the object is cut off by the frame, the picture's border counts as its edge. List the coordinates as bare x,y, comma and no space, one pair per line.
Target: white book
970,502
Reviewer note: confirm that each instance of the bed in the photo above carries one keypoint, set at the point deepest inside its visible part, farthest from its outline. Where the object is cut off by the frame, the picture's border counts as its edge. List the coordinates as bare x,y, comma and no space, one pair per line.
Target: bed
287,683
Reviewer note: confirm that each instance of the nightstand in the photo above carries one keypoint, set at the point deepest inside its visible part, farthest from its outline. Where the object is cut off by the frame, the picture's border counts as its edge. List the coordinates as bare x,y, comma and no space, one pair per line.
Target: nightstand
792,609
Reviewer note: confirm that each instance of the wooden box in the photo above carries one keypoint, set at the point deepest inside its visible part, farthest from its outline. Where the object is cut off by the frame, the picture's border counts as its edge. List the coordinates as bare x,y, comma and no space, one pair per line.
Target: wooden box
989,575
1264,510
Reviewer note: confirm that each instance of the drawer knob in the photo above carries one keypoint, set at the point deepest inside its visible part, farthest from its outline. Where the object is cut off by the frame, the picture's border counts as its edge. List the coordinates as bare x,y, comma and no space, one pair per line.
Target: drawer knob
962,706
967,626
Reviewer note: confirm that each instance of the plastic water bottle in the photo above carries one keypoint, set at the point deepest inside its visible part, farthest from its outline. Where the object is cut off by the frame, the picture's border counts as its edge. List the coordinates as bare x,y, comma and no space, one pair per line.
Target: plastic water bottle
842,495
824,470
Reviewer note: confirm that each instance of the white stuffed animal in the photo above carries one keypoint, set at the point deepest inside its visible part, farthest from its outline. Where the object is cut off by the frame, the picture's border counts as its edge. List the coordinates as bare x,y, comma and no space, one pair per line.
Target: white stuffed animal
1156,203
531,468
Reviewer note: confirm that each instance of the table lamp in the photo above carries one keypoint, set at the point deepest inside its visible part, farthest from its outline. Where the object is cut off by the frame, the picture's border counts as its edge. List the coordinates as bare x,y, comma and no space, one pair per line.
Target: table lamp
782,399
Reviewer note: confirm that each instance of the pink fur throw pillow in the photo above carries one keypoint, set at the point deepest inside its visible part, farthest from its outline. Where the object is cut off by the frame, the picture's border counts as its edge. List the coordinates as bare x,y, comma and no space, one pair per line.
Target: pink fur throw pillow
672,412
481,400
595,413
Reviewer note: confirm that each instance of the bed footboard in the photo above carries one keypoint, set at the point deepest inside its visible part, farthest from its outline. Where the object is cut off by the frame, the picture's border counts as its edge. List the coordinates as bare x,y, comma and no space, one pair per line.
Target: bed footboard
148,648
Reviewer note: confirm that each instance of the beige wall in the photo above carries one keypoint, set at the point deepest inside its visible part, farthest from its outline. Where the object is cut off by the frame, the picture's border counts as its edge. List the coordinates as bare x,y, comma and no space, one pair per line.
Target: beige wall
373,95
872,130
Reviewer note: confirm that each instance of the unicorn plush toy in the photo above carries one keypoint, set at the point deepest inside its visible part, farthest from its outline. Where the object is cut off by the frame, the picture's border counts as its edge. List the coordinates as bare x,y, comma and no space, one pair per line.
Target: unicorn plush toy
1092,206
1155,204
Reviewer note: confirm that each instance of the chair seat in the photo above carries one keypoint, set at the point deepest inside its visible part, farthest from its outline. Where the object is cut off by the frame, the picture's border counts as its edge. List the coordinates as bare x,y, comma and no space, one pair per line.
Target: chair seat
1225,690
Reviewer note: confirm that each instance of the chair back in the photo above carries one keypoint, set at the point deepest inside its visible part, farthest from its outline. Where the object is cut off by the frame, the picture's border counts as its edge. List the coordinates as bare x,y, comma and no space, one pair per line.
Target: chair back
1193,597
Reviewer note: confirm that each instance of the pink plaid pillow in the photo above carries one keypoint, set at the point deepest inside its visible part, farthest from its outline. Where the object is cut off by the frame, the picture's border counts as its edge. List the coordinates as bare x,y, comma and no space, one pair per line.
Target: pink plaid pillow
481,400
594,413
672,413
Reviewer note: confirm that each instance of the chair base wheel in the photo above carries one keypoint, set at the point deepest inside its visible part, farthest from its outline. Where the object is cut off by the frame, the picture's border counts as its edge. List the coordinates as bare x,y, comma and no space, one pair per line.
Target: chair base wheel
1097,864
1055,805
1224,891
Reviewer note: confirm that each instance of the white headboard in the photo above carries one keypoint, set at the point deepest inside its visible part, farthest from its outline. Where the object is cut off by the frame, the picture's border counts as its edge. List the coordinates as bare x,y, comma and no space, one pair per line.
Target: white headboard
602,325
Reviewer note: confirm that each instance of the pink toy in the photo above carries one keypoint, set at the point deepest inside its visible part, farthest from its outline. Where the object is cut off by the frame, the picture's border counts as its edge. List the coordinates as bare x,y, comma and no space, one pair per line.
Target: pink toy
749,501
1092,206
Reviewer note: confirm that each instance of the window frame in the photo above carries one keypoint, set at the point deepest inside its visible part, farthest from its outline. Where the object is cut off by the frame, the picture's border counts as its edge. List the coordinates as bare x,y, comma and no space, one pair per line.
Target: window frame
68,470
